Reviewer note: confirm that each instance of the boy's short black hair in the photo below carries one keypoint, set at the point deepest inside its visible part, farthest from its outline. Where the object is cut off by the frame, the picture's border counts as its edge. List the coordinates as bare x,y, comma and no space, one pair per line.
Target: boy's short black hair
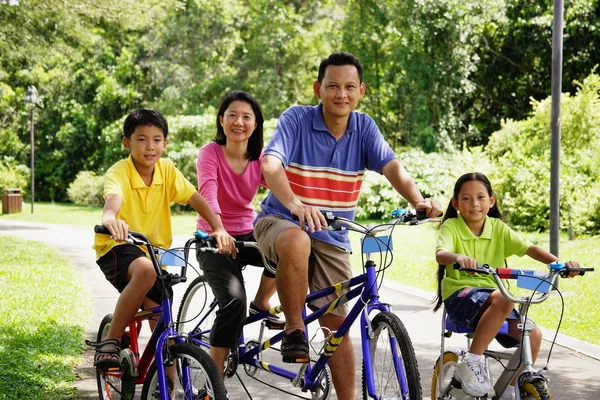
340,58
144,117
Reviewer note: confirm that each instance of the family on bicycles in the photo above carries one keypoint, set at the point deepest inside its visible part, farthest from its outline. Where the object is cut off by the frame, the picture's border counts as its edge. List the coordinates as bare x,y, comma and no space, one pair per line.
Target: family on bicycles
315,161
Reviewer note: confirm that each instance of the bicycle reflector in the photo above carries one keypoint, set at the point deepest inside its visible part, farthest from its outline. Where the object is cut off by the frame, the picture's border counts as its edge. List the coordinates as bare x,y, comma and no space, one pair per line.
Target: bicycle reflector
526,279
171,258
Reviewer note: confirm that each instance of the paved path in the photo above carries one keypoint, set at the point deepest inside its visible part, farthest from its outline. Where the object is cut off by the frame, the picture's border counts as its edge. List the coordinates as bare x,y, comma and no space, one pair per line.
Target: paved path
574,369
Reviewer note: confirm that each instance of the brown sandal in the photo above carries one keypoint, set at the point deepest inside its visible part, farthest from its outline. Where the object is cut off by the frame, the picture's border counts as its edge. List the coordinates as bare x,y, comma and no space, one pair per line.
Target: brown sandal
113,360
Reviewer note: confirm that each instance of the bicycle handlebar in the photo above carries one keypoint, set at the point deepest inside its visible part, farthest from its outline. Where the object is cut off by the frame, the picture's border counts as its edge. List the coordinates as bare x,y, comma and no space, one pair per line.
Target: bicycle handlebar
556,269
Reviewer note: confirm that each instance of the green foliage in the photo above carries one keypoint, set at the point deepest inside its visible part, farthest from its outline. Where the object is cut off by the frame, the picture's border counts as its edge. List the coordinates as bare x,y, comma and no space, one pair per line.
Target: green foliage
434,174
13,175
521,154
86,189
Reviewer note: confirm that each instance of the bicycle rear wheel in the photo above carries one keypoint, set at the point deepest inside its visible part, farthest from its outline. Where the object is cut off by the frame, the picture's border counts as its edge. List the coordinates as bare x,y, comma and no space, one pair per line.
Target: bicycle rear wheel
536,390
194,306
392,360
117,385
188,361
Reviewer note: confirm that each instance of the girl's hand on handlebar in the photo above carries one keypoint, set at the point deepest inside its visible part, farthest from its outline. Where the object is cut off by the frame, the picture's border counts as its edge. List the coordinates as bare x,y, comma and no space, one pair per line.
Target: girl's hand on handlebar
466,262
309,217
117,227
225,242
432,207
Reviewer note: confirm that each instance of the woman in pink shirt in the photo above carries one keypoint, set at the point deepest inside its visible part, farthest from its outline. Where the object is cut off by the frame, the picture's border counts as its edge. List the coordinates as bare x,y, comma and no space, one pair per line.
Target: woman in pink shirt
228,178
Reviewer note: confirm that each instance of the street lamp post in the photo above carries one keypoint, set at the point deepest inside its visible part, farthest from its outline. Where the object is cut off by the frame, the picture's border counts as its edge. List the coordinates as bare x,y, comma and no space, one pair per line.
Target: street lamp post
32,98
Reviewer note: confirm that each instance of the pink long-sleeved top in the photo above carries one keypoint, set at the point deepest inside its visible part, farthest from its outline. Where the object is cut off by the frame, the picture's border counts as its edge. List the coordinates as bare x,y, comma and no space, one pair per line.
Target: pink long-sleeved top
228,193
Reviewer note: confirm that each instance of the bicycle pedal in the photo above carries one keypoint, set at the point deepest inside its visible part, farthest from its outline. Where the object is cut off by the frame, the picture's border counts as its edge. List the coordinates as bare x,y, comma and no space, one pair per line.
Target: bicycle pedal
274,325
296,360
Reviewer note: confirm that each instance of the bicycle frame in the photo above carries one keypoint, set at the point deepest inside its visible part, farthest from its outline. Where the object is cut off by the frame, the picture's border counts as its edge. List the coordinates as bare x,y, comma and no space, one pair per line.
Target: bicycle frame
363,286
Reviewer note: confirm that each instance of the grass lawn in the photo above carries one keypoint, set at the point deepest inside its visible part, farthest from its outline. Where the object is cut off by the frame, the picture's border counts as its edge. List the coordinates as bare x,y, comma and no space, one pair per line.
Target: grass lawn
414,264
44,309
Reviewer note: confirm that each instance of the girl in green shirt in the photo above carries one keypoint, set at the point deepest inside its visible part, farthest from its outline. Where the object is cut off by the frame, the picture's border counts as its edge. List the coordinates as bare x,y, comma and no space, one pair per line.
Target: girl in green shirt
473,232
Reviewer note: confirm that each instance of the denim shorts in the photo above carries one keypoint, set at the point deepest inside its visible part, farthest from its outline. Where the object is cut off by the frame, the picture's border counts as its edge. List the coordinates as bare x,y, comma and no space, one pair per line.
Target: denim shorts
463,306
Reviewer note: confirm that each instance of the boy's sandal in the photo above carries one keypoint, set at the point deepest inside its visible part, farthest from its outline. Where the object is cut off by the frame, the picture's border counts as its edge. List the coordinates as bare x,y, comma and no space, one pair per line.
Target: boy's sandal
110,358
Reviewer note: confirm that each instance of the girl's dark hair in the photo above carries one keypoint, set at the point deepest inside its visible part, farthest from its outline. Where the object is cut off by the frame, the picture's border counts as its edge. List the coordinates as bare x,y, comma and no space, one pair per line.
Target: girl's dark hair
255,143
451,212
144,117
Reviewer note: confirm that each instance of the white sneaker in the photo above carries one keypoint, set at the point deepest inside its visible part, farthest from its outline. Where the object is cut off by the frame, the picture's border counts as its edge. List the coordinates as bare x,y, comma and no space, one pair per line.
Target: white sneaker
473,376
509,393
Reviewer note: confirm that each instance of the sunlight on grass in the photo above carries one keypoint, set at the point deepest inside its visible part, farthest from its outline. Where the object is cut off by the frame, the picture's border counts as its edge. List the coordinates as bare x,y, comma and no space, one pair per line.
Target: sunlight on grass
44,308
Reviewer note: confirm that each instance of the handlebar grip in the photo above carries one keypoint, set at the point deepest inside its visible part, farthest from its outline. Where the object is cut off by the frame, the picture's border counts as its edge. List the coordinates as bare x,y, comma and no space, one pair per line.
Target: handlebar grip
581,271
421,215
101,229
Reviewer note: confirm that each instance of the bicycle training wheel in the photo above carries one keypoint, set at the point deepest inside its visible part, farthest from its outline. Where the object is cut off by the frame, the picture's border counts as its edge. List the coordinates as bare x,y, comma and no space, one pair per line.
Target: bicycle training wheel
450,361
194,306
114,385
192,369
536,390
393,360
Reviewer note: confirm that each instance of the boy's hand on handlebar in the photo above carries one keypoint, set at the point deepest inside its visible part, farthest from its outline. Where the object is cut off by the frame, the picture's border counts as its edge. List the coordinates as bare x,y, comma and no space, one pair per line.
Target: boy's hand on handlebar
225,242
432,207
310,217
117,227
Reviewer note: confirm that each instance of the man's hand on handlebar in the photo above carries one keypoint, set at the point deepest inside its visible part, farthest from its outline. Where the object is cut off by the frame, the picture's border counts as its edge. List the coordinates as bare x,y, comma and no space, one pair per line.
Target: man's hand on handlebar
309,217
432,207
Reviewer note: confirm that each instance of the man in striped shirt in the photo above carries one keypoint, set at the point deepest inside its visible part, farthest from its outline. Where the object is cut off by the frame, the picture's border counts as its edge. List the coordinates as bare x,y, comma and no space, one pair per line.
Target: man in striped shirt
315,162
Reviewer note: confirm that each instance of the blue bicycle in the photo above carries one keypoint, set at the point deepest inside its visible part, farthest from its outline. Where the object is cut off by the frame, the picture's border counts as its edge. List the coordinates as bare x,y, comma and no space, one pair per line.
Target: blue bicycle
389,368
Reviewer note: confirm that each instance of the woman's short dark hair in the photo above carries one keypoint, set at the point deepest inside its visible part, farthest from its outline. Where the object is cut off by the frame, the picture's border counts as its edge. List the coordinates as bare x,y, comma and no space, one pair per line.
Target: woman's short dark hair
255,143
144,117
340,58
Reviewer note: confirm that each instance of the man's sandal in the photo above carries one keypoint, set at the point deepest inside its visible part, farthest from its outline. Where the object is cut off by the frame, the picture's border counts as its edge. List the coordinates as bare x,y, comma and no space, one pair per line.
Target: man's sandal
110,358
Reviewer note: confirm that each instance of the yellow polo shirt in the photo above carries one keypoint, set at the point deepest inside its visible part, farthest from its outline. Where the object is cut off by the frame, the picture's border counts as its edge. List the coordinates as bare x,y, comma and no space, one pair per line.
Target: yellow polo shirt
146,209
496,243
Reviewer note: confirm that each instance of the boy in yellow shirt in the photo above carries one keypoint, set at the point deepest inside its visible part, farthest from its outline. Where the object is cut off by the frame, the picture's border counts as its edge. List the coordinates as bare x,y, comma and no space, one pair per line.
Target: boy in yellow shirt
138,193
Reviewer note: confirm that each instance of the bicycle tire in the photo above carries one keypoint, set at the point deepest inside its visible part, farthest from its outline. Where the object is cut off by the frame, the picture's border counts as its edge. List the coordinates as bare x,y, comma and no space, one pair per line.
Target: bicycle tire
388,327
206,381
450,362
536,390
112,386
193,305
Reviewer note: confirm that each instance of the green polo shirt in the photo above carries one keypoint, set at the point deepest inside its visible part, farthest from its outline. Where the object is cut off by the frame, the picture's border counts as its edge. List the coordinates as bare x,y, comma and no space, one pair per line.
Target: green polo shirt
496,243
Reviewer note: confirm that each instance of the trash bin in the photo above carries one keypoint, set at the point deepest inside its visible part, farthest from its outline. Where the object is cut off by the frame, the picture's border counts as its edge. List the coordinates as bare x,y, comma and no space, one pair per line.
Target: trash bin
12,201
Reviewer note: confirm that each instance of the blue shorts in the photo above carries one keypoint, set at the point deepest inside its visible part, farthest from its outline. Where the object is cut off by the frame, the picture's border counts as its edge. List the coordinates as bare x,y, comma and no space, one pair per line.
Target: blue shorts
463,306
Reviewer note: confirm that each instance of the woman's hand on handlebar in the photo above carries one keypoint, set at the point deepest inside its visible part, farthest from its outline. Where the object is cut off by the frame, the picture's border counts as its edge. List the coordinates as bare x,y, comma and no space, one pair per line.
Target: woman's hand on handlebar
117,227
432,207
225,242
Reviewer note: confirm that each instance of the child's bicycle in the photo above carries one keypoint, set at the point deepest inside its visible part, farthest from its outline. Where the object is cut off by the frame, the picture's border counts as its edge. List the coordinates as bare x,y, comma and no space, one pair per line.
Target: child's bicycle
530,383
169,368
389,363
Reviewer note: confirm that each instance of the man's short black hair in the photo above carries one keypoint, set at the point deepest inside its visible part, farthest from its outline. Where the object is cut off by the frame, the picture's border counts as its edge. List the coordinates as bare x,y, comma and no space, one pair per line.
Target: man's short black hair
340,58
144,117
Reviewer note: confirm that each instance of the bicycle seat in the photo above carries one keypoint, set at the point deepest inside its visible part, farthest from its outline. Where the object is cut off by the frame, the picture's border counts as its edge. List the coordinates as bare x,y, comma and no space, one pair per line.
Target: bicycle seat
502,336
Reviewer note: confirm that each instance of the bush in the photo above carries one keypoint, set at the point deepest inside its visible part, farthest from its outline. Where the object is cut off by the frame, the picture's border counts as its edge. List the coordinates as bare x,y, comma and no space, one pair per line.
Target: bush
86,189
13,175
521,154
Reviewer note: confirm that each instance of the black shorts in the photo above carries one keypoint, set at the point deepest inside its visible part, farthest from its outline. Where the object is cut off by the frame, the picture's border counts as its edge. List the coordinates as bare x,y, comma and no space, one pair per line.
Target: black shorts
115,265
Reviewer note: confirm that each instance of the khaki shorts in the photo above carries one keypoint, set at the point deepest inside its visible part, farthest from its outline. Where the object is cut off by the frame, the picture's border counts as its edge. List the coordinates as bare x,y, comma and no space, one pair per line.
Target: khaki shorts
327,264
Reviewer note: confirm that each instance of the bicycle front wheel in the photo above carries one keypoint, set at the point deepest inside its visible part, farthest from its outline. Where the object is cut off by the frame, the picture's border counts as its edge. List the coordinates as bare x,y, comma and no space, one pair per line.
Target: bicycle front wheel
193,376
536,390
393,360
195,306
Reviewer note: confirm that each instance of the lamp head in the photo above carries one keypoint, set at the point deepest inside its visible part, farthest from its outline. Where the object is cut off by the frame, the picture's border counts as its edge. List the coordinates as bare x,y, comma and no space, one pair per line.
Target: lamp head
32,95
